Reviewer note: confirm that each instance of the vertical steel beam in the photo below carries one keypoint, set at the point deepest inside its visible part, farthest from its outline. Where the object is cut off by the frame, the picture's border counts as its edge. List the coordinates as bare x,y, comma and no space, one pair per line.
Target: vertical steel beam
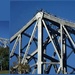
63,52
64,56
44,59
40,43
61,59
20,47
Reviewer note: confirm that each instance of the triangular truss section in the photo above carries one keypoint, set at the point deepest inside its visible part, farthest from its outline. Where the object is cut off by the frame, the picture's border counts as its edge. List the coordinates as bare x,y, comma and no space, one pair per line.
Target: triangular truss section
46,47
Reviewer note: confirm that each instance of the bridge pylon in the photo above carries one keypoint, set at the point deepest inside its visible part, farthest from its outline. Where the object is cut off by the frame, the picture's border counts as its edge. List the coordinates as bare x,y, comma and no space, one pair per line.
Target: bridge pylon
46,43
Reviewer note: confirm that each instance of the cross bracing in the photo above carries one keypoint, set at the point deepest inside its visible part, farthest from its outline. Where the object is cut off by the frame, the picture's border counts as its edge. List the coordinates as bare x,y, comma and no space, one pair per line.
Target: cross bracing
4,42
46,43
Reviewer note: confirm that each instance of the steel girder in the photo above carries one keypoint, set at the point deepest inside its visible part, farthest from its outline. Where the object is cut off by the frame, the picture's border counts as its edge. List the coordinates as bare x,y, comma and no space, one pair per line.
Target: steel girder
50,35
4,42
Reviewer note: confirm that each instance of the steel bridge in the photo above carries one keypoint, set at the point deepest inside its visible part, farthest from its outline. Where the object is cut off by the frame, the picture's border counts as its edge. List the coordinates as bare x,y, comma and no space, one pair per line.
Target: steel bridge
46,43
4,42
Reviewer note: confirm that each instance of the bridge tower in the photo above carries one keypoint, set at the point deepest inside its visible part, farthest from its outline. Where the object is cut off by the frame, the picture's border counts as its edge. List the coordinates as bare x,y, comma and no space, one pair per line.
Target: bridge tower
46,43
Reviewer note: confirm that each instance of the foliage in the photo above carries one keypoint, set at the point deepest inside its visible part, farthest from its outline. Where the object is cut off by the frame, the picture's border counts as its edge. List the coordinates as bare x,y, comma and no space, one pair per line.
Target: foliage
24,68
21,69
4,58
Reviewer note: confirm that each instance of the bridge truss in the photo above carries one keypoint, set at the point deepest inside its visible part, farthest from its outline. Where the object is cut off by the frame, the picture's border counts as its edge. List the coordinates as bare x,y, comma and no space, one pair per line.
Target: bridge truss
46,43
4,42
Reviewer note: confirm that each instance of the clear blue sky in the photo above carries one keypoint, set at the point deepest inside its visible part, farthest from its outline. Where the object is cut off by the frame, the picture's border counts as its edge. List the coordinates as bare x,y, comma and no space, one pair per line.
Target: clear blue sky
22,11
4,29
4,10
4,18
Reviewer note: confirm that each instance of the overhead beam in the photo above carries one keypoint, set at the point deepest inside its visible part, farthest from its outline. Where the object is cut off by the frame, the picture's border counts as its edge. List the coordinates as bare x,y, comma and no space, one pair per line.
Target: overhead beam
47,16
58,20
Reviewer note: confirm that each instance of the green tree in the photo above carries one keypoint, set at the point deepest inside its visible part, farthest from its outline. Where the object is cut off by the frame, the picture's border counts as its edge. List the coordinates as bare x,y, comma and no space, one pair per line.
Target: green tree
4,57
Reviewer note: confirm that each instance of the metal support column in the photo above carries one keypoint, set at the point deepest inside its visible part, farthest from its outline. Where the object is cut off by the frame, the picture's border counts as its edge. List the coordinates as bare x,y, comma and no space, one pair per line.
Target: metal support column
63,52
64,56
20,47
40,44
44,52
19,58
61,59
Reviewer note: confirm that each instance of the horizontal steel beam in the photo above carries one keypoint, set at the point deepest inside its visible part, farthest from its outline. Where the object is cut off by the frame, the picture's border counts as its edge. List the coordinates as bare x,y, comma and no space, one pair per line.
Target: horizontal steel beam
53,63
58,20
28,35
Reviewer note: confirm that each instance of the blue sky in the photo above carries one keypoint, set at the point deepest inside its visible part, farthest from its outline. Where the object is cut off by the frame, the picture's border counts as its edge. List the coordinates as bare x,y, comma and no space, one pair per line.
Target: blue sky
4,18
4,29
4,10
22,11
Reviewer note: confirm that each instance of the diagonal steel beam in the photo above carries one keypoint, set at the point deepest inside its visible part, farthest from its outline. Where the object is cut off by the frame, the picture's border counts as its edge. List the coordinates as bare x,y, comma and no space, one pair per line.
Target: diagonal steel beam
28,35
14,47
24,28
50,58
51,39
69,36
28,46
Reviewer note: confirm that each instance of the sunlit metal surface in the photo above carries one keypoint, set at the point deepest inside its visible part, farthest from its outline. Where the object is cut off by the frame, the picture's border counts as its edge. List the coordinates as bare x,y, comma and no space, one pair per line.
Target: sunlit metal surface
53,37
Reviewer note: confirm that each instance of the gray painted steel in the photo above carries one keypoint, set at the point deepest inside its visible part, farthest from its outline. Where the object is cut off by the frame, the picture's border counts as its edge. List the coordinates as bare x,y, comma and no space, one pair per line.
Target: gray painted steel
58,33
